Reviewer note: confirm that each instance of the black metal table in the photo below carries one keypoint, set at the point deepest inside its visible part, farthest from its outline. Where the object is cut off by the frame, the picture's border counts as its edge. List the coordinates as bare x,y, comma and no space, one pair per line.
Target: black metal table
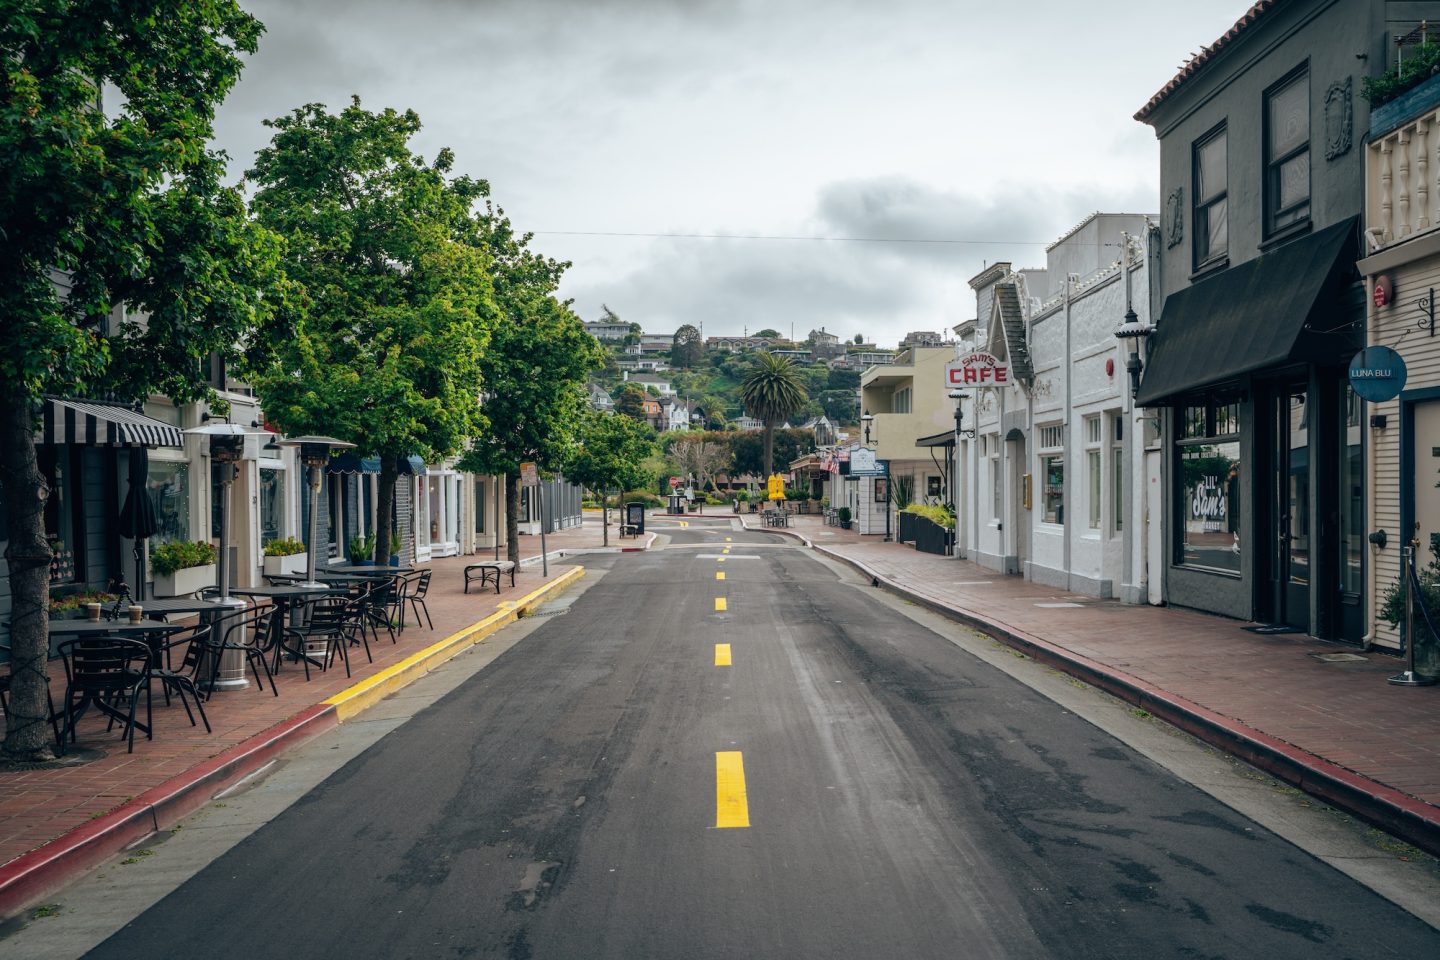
147,631
286,599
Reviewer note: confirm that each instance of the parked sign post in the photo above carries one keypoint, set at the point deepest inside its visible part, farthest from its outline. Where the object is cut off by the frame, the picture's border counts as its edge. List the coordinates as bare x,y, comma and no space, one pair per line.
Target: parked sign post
530,477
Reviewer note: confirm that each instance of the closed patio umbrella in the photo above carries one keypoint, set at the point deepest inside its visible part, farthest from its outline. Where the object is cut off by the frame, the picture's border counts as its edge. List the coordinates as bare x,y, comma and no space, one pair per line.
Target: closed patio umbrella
137,515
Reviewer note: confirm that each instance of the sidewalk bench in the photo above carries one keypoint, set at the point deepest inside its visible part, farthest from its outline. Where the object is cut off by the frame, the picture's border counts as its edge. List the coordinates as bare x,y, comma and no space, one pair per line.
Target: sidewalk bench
487,572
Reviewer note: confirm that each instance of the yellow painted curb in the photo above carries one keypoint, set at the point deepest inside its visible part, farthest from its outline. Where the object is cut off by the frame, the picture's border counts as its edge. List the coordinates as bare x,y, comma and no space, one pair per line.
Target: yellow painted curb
371,690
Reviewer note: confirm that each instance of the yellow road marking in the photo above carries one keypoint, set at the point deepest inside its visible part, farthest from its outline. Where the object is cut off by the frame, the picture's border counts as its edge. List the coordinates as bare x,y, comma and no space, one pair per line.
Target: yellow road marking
727,539
719,603
719,559
719,574
726,550
722,654
732,808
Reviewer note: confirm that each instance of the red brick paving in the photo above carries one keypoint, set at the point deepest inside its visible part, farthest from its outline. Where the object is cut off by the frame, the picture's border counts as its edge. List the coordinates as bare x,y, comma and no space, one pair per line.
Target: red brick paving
40,805
1344,713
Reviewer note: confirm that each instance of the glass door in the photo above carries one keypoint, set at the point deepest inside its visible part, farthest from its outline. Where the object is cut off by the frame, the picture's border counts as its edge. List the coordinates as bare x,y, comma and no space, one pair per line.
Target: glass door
1293,538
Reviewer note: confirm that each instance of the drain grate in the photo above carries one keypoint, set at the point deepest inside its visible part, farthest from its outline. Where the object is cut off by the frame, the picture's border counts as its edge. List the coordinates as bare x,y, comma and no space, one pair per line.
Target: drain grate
548,613
1340,657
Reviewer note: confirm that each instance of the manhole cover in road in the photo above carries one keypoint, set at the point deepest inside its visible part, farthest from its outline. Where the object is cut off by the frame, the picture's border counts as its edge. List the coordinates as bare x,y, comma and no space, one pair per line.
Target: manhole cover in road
1340,657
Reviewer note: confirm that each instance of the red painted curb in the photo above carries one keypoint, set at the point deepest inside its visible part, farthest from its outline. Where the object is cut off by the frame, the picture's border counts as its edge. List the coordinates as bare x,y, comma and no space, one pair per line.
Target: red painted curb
1398,813
28,878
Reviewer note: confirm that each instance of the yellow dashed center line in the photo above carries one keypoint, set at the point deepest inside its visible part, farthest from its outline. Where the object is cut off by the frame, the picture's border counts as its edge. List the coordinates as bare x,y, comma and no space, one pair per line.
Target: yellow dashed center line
722,654
727,539
732,807
719,603
719,574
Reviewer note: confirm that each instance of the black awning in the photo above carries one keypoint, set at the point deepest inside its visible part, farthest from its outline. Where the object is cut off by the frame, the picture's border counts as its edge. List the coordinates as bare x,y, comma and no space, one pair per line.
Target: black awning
96,423
946,439
1286,306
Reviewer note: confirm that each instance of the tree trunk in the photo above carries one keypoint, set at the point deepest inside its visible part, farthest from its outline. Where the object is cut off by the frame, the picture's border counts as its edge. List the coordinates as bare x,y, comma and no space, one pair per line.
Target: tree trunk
385,509
512,518
605,514
27,717
769,449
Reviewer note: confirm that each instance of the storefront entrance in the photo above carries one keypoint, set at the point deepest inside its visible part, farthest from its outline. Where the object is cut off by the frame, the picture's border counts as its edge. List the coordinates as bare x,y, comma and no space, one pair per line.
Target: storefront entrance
1293,542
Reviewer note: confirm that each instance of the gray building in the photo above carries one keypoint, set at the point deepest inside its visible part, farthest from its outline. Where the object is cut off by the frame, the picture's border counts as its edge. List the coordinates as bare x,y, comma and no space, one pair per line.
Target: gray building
1260,310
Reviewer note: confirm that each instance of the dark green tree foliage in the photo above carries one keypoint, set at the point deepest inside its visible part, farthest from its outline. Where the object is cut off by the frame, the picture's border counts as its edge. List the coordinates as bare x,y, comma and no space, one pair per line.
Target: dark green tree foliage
631,402
772,391
120,203
381,343
770,332
535,369
749,449
686,350
609,456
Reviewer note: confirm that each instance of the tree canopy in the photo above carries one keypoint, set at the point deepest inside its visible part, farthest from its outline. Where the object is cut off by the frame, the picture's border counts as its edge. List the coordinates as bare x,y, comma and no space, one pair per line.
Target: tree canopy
103,204
772,391
687,350
610,454
381,340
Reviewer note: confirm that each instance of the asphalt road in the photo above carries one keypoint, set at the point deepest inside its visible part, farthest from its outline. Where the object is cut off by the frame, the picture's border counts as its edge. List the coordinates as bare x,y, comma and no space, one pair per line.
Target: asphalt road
588,795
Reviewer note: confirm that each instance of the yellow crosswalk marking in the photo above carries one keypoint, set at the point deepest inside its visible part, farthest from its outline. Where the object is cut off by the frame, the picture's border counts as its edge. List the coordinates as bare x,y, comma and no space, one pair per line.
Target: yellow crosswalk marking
722,654
719,603
732,806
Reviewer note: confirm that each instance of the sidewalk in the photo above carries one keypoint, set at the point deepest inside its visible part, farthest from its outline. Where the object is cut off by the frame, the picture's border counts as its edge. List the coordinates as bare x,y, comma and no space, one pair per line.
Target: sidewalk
1335,729
57,822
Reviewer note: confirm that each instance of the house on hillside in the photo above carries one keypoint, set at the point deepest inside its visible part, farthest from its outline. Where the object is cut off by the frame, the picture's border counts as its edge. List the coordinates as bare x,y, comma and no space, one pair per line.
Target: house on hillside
645,380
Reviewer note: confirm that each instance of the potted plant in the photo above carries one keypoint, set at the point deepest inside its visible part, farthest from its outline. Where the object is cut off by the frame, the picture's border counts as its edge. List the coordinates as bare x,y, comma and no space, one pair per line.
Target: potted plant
285,556
181,568
362,550
1392,610
70,606
843,515
395,544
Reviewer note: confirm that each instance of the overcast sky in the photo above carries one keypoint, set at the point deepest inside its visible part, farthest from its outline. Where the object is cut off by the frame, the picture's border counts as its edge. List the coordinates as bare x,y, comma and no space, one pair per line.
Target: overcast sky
990,123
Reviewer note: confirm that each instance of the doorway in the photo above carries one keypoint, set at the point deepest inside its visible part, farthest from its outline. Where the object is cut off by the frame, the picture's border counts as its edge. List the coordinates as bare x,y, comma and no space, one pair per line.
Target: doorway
1017,525
1292,555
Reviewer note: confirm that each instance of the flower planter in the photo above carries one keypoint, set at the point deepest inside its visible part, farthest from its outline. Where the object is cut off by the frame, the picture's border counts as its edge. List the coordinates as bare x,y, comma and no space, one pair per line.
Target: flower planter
283,566
184,582
1409,104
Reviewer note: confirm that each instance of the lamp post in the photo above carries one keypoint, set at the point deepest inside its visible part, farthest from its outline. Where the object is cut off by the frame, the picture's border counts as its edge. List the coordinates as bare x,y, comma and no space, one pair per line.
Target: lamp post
227,448
867,419
1133,331
959,396
314,454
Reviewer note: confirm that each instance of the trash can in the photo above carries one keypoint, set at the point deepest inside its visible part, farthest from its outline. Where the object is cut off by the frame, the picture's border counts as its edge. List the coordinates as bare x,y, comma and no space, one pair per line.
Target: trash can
677,503
635,518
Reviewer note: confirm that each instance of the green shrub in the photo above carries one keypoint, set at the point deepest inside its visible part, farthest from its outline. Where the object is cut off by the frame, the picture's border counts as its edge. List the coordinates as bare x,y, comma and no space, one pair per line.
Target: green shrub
843,515
75,601
643,496
166,558
1420,65
935,514
284,547
362,548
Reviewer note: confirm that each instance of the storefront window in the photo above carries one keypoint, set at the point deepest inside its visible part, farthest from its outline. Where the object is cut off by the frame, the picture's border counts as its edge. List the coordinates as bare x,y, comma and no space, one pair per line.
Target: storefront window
168,483
272,505
1352,498
1052,472
1209,479
480,508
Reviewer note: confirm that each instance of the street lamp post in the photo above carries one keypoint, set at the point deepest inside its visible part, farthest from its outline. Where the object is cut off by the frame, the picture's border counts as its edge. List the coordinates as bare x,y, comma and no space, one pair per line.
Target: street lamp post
314,454
1133,332
959,396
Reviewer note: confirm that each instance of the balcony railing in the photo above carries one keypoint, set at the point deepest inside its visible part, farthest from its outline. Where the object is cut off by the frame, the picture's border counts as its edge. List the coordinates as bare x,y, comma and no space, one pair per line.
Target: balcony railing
1402,192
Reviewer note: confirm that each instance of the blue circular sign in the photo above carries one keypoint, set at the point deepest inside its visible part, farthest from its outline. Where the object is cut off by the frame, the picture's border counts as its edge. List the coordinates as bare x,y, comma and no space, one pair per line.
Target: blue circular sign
1377,373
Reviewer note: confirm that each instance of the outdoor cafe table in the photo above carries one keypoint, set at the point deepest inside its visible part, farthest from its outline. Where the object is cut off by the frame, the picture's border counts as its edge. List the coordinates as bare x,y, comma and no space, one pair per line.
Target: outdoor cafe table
288,599
380,569
149,631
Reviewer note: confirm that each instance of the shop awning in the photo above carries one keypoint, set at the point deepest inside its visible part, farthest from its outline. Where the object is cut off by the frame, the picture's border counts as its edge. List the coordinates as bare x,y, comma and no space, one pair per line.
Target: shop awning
95,423
1282,307
352,462
946,439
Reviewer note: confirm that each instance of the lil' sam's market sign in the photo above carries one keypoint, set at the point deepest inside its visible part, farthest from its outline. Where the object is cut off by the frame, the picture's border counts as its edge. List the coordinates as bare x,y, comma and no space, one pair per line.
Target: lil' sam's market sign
1377,374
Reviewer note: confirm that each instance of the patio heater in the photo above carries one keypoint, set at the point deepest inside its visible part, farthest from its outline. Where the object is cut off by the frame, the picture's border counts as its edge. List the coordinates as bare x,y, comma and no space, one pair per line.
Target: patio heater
314,454
227,448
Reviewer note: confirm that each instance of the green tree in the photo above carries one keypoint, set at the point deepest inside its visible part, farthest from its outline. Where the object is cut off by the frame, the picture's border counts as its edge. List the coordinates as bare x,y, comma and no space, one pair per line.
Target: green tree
773,334
859,339
686,349
610,455
383,346
749,449
105,208
772,391
631,402
534,370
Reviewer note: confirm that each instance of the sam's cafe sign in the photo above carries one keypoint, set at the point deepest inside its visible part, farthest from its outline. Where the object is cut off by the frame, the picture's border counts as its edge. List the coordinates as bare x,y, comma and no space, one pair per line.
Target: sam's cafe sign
977,370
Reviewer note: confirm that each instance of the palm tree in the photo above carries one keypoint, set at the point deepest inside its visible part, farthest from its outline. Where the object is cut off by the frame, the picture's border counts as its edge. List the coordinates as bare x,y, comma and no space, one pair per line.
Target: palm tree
772,391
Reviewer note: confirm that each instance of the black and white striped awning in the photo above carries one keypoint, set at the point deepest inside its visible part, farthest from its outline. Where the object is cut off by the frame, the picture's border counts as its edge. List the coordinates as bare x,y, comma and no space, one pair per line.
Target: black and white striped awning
96,424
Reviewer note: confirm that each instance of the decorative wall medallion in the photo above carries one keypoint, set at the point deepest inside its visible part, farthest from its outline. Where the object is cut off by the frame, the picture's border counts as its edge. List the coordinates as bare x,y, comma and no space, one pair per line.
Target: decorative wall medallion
1339,116
1175,217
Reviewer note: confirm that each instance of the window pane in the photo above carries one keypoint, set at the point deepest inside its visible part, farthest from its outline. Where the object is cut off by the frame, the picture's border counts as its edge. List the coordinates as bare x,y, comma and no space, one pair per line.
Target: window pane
480,508
272,505
1210,169
1352,500
1052,475
1117,491
1292,182
1093,462
1289,117
1217,229
995,488
1210,503
168,483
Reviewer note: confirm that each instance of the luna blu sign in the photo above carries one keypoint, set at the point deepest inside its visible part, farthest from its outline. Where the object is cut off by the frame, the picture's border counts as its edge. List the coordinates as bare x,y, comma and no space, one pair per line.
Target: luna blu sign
1377,374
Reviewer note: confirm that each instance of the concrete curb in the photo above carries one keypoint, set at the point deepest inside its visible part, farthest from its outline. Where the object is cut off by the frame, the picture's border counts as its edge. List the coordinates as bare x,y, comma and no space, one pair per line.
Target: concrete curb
26,880
1398,813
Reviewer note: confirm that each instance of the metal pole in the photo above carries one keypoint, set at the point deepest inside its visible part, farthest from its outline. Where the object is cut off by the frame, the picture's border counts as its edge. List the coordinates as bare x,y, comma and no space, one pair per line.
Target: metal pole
1409,678
312,546
495,534
544,554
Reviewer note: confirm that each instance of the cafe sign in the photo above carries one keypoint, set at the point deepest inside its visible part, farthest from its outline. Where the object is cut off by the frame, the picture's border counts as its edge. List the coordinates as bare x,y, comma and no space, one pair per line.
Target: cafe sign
1377,374
978,369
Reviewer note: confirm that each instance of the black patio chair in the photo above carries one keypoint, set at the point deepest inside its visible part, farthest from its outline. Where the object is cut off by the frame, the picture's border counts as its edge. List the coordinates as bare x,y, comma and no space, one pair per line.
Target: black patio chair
379,599
257,625
49,699
415,596
184,680
335,622
101,672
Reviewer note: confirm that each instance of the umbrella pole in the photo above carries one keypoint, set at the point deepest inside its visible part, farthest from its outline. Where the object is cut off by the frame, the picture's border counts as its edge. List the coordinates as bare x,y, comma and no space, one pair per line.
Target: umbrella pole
139,589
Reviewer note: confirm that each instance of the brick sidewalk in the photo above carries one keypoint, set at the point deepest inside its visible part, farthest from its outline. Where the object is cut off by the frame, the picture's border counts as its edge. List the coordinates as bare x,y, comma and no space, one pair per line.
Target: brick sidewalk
1259,687
37,806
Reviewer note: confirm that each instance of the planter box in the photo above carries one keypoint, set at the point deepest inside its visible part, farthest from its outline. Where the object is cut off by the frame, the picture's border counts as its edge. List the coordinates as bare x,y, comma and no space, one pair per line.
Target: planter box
930,537
906,524
281,566
184,582
1409,104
